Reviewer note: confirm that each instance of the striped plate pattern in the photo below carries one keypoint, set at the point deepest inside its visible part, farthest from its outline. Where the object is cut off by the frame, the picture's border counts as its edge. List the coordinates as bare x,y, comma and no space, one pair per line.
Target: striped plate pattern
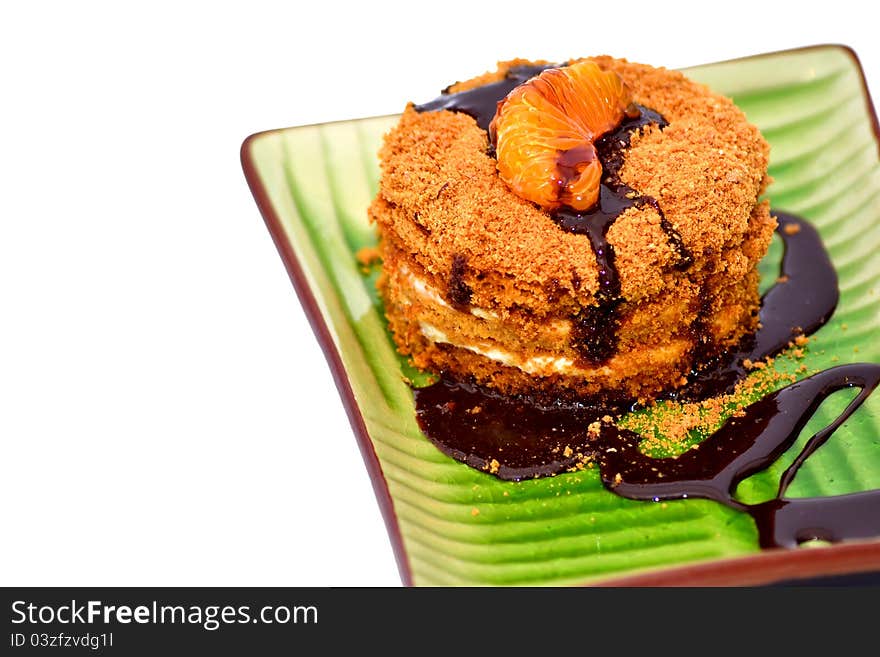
463,527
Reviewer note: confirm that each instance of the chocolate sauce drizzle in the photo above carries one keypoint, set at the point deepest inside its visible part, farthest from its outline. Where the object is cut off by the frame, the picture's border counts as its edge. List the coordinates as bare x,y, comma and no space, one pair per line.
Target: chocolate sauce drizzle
596,326
457,291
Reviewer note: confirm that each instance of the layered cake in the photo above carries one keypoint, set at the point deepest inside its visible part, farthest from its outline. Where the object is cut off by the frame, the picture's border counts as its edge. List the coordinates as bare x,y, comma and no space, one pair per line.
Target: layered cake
590,228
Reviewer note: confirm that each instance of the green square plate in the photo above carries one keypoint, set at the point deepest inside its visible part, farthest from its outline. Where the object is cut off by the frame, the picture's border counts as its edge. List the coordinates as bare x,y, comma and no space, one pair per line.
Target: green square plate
452,525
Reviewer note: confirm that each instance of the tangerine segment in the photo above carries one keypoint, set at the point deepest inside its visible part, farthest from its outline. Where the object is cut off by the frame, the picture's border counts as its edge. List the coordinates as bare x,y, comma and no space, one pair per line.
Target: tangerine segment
545,130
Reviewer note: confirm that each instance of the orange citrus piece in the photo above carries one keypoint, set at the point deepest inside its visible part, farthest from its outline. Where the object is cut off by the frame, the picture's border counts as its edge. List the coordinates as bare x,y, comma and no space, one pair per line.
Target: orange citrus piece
546,128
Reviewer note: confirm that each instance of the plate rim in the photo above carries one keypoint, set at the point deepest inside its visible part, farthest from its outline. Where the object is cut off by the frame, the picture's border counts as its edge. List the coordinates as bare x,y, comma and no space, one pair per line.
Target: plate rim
763,567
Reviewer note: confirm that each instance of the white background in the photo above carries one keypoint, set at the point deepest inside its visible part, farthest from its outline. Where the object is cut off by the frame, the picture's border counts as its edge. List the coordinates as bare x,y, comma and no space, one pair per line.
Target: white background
163,402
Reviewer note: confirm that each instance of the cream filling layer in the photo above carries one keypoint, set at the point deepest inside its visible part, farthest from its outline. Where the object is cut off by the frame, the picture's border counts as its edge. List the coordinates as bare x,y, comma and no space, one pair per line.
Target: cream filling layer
423,289
539,365
536,365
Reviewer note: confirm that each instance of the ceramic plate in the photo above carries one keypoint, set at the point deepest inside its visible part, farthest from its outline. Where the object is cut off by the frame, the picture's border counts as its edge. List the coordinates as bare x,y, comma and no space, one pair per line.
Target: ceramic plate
452,525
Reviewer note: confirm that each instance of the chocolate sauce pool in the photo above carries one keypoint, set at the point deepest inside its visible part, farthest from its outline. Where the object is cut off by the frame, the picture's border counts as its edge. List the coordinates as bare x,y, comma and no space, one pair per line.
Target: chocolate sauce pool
521,437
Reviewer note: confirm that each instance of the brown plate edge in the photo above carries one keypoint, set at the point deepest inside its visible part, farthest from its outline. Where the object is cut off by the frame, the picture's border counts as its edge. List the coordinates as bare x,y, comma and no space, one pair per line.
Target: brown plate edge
763,567
334,360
